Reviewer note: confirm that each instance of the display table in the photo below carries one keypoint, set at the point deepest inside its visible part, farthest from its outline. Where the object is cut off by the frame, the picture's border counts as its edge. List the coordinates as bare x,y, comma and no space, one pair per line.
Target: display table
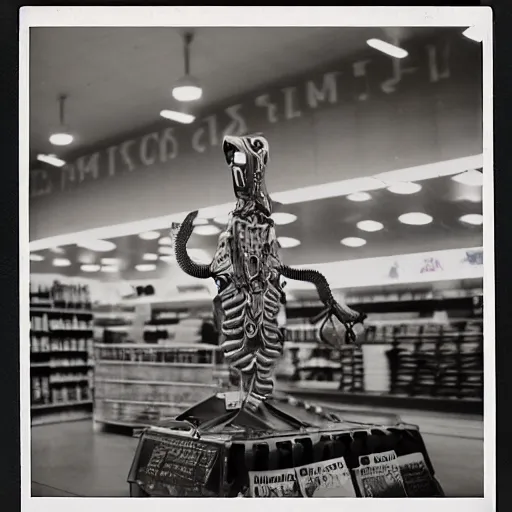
323,458
139,385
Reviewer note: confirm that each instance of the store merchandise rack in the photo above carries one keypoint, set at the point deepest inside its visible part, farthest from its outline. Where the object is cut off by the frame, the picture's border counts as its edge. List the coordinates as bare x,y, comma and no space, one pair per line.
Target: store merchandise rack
137,385
61,354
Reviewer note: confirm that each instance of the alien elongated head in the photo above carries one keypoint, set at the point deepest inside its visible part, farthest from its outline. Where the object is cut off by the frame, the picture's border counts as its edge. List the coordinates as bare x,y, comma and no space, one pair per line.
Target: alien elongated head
247,158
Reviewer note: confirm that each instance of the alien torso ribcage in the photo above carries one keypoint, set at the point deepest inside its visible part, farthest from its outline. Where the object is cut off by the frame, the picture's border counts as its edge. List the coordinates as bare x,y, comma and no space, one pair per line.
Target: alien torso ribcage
246,266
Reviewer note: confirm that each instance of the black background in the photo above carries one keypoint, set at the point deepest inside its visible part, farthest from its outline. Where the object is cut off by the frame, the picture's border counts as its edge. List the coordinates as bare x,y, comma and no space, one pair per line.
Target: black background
9,254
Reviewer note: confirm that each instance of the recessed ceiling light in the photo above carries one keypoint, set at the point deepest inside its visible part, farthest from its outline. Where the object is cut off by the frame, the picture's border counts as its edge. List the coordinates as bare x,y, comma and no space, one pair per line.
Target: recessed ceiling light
472,218
97,245
286,242
282,218
472,178
90,268
51,160
36,257
199,256
61,139
222,219
388,49
353,241
165,240
370,225
165,249
200,222
168,259
145,267
149,235
405,188
57,250
206,230
61,262
109,261
359,197
415,219
109,268
149,256
179,117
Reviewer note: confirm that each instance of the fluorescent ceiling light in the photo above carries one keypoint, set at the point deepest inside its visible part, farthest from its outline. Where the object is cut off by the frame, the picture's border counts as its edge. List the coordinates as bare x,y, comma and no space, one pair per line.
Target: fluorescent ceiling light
472,218
61,139
145,267
51,160
216,211
387,48
206,230
404,188
90,268
36,257
353,241
109,268
179,117
109,261
97,245
475,33
287,242
472,178
283,218
415,219
370,225
359,197
61,262
200,222
149,256
165,249
149,235
222,219
165,240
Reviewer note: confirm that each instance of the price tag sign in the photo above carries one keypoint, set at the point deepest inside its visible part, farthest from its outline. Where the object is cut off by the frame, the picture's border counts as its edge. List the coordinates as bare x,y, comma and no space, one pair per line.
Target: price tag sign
232,400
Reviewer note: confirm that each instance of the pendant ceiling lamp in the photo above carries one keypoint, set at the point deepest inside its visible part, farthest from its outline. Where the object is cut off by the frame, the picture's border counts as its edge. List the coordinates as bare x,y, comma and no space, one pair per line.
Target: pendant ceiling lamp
187,88
62,137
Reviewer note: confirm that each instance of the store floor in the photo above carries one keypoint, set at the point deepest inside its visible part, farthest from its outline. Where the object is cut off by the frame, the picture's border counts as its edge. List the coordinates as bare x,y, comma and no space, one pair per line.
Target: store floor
69,459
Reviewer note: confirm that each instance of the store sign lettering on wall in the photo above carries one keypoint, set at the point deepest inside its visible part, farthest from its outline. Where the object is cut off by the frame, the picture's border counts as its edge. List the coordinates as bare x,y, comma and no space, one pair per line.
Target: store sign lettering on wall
431,265
358,81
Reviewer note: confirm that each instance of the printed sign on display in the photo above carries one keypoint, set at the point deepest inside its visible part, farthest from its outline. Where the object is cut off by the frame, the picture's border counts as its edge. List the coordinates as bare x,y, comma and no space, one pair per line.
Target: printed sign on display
274,484
330,478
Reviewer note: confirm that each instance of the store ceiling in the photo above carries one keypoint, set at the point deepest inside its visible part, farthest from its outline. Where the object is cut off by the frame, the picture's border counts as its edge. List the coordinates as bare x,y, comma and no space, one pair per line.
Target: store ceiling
118,79
320,226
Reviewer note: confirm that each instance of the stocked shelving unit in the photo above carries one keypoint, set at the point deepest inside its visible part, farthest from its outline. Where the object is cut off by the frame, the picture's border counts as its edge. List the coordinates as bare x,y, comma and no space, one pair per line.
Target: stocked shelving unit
139,384
417,357
61,353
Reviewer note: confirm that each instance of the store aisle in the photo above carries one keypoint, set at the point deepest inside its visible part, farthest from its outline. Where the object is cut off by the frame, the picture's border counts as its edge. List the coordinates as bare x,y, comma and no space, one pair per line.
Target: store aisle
69,459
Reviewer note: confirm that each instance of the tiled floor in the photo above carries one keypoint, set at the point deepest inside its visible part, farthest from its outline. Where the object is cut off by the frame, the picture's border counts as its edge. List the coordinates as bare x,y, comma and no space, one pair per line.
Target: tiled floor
69,459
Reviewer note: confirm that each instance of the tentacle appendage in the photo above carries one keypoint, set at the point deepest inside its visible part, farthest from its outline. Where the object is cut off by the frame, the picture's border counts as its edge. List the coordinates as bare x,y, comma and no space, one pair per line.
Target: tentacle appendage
346,315
185,263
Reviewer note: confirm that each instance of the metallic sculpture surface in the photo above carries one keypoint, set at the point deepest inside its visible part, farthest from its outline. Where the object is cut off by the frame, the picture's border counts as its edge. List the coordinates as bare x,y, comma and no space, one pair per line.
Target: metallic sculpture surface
247,269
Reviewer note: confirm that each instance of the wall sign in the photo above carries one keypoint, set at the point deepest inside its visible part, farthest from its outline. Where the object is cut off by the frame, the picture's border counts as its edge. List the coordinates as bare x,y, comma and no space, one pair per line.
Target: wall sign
359,81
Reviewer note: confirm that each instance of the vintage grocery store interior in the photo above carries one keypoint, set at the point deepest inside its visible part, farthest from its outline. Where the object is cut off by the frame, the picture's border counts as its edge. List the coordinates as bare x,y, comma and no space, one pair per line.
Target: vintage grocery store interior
376,174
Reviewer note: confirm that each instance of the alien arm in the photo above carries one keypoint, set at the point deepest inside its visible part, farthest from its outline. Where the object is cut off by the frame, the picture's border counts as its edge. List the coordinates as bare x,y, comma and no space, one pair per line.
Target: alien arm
183,259
342,312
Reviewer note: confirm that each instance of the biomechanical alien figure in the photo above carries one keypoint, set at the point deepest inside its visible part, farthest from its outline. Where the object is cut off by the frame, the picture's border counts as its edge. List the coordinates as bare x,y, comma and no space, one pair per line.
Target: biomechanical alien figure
248,270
